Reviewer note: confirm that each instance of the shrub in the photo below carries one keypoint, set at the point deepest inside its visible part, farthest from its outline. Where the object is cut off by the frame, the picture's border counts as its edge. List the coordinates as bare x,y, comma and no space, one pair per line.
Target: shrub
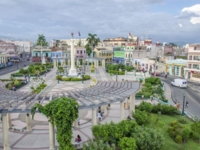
183,121
148,138
165,109
185,133
95,145
140,116
127,144
59,77
178,139
66,79
76,79
86,77
145,106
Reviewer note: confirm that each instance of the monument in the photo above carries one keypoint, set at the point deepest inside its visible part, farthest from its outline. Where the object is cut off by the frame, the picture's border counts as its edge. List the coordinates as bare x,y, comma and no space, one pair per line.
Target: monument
72,70
43,60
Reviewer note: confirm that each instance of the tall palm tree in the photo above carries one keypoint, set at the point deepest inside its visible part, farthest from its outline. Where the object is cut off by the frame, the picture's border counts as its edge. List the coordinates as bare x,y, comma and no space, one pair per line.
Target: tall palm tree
93,41
41,40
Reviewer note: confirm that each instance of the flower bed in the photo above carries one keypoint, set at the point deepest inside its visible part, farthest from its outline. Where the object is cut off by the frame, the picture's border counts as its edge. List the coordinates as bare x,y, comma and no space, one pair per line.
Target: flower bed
15,84
85,77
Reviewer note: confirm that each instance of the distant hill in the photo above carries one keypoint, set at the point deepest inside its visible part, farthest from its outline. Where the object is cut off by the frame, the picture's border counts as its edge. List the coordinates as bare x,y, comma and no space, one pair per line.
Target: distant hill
2,37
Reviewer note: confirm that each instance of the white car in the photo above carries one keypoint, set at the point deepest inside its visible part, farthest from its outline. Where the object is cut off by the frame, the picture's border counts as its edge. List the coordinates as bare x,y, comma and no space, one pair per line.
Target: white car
182,83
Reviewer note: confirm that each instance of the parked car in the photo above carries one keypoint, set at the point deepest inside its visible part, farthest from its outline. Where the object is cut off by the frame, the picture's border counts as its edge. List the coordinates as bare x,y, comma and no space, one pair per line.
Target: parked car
2,66
155,74
10,64
182,83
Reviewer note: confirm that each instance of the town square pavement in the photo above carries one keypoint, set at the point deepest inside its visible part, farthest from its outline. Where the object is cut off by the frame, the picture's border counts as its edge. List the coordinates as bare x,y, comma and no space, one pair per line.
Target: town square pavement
38,138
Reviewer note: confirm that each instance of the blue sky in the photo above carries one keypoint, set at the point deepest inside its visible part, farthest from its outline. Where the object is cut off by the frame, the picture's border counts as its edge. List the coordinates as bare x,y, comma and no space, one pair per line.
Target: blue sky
161,20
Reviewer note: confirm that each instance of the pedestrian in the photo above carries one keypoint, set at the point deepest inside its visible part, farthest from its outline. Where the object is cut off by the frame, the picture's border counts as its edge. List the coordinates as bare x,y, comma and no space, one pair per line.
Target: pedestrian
128,118
187,104
99,116
78,139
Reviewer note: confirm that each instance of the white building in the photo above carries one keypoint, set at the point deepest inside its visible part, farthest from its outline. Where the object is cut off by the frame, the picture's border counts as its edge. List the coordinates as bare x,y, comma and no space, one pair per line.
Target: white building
24,46
65,42
192,71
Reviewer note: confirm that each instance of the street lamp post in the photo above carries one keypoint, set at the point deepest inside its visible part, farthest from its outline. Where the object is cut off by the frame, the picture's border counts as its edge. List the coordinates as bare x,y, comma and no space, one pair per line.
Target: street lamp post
58,76
82,78
116,76
183,104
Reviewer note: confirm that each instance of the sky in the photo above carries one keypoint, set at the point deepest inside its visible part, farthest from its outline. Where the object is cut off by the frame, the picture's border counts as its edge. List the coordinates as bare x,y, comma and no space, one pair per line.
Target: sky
160,20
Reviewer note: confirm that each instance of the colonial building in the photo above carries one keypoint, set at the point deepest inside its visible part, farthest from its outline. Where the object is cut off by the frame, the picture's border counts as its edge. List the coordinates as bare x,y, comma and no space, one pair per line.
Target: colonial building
24,46
176,67
103,52
192,71
8,48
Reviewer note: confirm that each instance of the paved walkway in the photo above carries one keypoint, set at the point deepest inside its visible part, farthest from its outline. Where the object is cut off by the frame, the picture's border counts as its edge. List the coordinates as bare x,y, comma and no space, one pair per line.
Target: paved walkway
39,137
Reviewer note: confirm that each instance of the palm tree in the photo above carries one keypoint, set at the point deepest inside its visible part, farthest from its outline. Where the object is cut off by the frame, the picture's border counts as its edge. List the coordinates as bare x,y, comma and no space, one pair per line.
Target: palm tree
41,40
93,41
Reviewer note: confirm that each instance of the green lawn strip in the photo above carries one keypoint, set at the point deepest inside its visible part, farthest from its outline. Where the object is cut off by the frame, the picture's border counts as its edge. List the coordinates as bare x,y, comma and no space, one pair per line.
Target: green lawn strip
169,142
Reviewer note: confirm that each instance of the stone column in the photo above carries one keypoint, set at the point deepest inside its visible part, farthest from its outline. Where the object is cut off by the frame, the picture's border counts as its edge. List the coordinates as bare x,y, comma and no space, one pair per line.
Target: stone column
121,110
54,63
94,116
175,70
76,123
28,122
51,137
180,71
77,62
72,70
68,62
132,103
9,121
170,70
6,145
97,63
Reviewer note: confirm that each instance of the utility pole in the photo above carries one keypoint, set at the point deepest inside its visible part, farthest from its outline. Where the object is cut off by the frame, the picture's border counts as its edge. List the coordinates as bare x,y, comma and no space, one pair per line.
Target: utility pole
183,104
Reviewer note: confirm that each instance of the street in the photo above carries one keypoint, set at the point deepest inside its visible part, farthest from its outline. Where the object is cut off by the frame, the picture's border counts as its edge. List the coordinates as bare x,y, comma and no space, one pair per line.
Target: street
191,96
15,66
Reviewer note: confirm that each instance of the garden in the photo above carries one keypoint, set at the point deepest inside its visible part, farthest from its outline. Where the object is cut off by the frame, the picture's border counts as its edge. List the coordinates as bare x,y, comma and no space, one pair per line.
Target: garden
15,84
152,88
118,69
34,70
153,127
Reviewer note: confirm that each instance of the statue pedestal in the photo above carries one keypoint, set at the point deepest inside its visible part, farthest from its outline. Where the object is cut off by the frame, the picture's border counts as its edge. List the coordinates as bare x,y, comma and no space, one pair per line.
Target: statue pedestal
72,72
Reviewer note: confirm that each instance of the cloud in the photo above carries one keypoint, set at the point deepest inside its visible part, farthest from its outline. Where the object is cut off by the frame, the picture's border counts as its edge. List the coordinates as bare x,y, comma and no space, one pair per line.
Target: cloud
113,18
180,25
193,11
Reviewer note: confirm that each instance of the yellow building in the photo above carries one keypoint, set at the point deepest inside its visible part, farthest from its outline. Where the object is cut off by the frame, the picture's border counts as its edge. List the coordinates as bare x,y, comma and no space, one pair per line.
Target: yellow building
104,53
176,67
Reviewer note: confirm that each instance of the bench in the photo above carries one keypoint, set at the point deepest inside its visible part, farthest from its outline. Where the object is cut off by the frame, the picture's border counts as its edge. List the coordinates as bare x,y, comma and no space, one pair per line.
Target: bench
18,125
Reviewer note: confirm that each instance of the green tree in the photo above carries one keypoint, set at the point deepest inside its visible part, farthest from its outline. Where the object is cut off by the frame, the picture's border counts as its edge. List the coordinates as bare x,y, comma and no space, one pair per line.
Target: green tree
88,49
79,43
148,138
41,40
127,144
145,106
172,44
61,112
98,145
93,41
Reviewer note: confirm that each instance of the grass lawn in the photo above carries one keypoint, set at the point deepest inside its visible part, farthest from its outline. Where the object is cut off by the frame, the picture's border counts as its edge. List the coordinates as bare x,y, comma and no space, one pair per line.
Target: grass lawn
169,142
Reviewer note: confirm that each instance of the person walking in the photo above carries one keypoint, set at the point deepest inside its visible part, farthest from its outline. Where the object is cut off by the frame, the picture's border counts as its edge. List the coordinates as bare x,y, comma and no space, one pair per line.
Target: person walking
187,104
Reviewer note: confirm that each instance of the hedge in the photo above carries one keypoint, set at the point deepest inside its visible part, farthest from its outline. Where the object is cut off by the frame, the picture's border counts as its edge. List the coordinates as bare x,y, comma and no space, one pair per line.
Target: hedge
85,77
116,72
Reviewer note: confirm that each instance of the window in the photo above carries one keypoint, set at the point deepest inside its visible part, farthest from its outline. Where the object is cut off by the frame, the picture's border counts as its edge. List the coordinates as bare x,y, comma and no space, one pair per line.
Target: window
77,52
195,66
81,52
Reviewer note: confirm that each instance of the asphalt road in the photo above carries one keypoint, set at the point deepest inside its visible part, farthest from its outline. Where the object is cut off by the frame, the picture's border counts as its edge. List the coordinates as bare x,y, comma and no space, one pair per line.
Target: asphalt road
192,97
15,67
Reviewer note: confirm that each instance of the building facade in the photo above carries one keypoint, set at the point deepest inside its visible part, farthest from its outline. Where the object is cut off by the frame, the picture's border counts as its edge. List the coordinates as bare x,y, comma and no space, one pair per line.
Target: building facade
8,48
176,67
24,46
192,71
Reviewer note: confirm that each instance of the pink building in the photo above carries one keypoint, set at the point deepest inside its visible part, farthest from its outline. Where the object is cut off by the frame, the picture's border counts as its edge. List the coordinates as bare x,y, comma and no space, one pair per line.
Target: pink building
8,48
80,52
168,50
